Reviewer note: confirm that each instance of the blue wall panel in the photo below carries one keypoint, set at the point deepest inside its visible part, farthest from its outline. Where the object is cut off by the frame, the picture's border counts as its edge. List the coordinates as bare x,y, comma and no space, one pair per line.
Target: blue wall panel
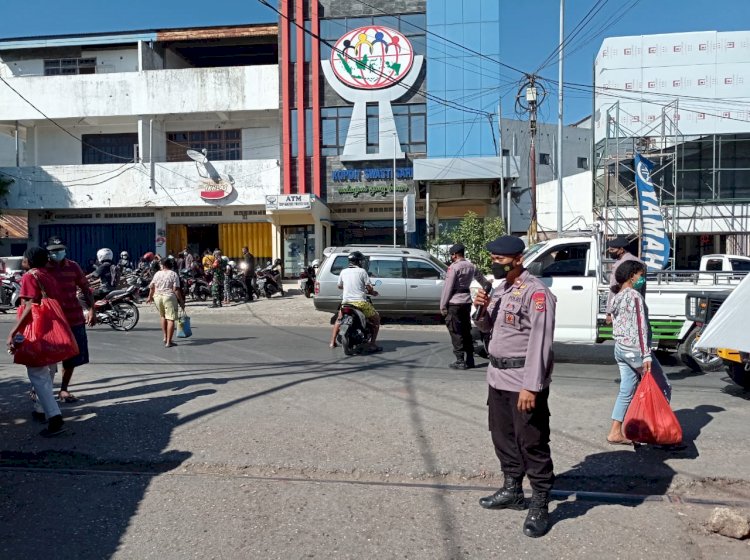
464,78
84,240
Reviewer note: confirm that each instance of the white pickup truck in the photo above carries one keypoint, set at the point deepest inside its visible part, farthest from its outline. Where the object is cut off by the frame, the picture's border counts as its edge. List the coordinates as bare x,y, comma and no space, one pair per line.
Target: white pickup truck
576,273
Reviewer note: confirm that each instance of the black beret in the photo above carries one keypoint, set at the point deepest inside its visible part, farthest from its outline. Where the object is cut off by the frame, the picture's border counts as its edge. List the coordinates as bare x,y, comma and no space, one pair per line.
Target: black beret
506,245
618,243
457,248
54,243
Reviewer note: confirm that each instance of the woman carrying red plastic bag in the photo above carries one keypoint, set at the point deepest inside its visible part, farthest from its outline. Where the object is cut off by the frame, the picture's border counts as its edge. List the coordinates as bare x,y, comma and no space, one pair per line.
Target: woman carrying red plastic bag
41,336
632,345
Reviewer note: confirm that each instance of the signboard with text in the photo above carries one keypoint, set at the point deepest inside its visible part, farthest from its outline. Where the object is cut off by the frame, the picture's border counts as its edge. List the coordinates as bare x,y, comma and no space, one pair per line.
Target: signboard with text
288,202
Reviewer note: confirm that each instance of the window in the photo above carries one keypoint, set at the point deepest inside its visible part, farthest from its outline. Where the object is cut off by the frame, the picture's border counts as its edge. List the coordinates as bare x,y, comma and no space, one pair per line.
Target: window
421,270
334,125
69,66
411,124
108,148
411,25
714,265
222,144
544,159
740,265
339,264
583,163
566,260
382,268
373,129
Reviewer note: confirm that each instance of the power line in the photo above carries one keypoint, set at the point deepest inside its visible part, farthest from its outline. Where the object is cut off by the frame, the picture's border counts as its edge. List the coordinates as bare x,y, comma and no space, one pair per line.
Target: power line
427,95
58,125
590,15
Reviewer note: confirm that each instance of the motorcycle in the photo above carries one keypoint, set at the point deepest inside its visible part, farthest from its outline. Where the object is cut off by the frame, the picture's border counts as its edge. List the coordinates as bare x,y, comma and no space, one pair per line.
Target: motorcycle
307,279
118,309
196,286
354,329
237,291
269,281
10,289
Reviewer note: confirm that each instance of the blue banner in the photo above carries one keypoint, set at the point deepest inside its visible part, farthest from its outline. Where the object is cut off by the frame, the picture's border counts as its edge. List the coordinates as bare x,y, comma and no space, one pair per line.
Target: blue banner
655,246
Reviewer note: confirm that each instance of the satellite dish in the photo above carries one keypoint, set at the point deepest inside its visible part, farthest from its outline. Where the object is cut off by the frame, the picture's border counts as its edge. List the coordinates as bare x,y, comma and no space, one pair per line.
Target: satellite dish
195,155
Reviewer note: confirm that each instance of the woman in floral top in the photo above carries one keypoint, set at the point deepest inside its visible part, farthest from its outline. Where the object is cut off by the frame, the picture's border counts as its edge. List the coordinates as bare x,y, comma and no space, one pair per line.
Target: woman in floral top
630,330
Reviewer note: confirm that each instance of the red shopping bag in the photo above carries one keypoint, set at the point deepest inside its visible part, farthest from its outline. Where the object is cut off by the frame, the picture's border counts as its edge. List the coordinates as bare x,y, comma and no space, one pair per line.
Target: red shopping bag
47,336
650,418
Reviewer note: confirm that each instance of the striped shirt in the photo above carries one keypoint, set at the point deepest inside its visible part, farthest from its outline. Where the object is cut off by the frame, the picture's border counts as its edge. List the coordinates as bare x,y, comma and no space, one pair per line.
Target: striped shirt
70,278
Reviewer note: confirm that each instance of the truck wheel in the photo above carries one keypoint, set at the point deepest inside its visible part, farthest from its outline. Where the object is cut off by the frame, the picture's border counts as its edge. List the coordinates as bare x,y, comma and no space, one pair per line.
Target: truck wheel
698,359
739,374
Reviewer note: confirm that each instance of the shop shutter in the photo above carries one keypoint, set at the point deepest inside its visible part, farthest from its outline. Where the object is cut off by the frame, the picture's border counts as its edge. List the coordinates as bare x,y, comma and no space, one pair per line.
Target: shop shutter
176,238
84,240
256,235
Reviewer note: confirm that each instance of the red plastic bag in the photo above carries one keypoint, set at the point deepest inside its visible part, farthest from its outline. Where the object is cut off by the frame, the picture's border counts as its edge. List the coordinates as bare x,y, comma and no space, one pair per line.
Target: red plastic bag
650,418
47,337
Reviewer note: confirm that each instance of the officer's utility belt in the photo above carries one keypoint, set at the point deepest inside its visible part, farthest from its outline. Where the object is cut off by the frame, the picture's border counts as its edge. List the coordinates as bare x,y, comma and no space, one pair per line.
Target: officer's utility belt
507,363
462,291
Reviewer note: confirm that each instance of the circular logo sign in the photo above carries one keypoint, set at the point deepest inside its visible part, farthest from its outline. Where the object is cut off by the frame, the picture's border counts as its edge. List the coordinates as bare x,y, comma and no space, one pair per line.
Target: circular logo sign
372,57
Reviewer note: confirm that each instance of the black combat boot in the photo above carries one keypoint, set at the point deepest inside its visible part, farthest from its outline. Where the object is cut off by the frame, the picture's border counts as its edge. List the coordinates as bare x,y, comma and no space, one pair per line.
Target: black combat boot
510,496
537,521
470,360
459,363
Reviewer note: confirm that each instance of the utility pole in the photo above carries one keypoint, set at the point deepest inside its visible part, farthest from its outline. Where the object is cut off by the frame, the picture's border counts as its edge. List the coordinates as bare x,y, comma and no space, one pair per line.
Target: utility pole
560,123
502,164
395,239
531,100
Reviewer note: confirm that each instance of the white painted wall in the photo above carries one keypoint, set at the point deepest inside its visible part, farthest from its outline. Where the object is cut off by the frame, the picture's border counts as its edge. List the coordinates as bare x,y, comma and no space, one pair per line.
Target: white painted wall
107,61
177,184
153,92
55,147
578,203
709,72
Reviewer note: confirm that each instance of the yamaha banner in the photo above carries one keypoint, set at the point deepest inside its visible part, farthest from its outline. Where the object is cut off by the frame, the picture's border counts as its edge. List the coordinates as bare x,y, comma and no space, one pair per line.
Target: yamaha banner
655,245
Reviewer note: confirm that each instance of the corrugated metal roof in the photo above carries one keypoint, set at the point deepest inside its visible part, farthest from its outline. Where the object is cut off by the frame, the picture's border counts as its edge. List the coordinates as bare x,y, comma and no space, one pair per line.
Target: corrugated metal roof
14,227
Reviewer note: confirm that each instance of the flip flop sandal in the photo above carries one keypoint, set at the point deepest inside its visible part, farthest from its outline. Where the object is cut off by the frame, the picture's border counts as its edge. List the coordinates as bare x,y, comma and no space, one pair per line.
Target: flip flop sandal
620,442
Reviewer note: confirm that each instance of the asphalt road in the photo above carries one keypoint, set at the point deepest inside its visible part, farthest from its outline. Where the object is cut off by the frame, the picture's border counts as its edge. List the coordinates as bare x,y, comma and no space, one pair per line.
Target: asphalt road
253,441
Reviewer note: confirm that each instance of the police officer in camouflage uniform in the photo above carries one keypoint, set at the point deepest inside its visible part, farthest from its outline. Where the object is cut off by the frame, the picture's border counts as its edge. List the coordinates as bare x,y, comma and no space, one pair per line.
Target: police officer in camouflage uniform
455,305
520,315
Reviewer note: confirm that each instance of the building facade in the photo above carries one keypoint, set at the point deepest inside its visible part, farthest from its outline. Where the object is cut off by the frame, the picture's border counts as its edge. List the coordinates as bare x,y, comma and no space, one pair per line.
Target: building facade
146,141
682,101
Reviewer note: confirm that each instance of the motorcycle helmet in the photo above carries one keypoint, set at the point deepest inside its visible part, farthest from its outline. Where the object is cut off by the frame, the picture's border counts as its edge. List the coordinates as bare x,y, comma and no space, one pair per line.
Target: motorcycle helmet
148,257
356,258
232,264
277,262
104,255
124,255
315,263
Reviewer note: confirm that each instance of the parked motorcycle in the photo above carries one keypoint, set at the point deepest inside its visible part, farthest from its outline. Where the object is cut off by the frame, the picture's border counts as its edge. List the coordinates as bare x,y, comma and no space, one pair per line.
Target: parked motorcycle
269,281
307,279
196,286
237,291
118,309
10,289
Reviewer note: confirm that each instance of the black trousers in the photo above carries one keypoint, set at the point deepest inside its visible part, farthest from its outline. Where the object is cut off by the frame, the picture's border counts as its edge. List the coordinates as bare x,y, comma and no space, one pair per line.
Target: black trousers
521,439
458,322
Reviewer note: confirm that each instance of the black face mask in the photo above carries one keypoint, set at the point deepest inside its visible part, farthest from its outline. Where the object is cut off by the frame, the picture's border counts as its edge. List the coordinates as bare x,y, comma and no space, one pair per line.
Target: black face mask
500,271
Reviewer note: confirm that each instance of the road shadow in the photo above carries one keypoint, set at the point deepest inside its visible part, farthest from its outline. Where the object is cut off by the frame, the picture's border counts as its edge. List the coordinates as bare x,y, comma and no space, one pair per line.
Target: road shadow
632,474
80,503
734,390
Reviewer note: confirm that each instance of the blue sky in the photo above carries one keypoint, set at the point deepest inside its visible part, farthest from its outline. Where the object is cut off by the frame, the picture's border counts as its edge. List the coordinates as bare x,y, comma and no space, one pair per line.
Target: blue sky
529,29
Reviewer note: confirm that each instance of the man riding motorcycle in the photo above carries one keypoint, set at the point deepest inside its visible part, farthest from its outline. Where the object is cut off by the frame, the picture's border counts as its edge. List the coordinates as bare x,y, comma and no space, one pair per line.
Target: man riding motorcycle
125,263
106,272
355,283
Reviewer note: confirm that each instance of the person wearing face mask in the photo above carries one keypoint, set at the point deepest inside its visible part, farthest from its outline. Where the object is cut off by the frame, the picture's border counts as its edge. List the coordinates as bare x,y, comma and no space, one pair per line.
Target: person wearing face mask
632,348
455,305
70,278
520,315
617,248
